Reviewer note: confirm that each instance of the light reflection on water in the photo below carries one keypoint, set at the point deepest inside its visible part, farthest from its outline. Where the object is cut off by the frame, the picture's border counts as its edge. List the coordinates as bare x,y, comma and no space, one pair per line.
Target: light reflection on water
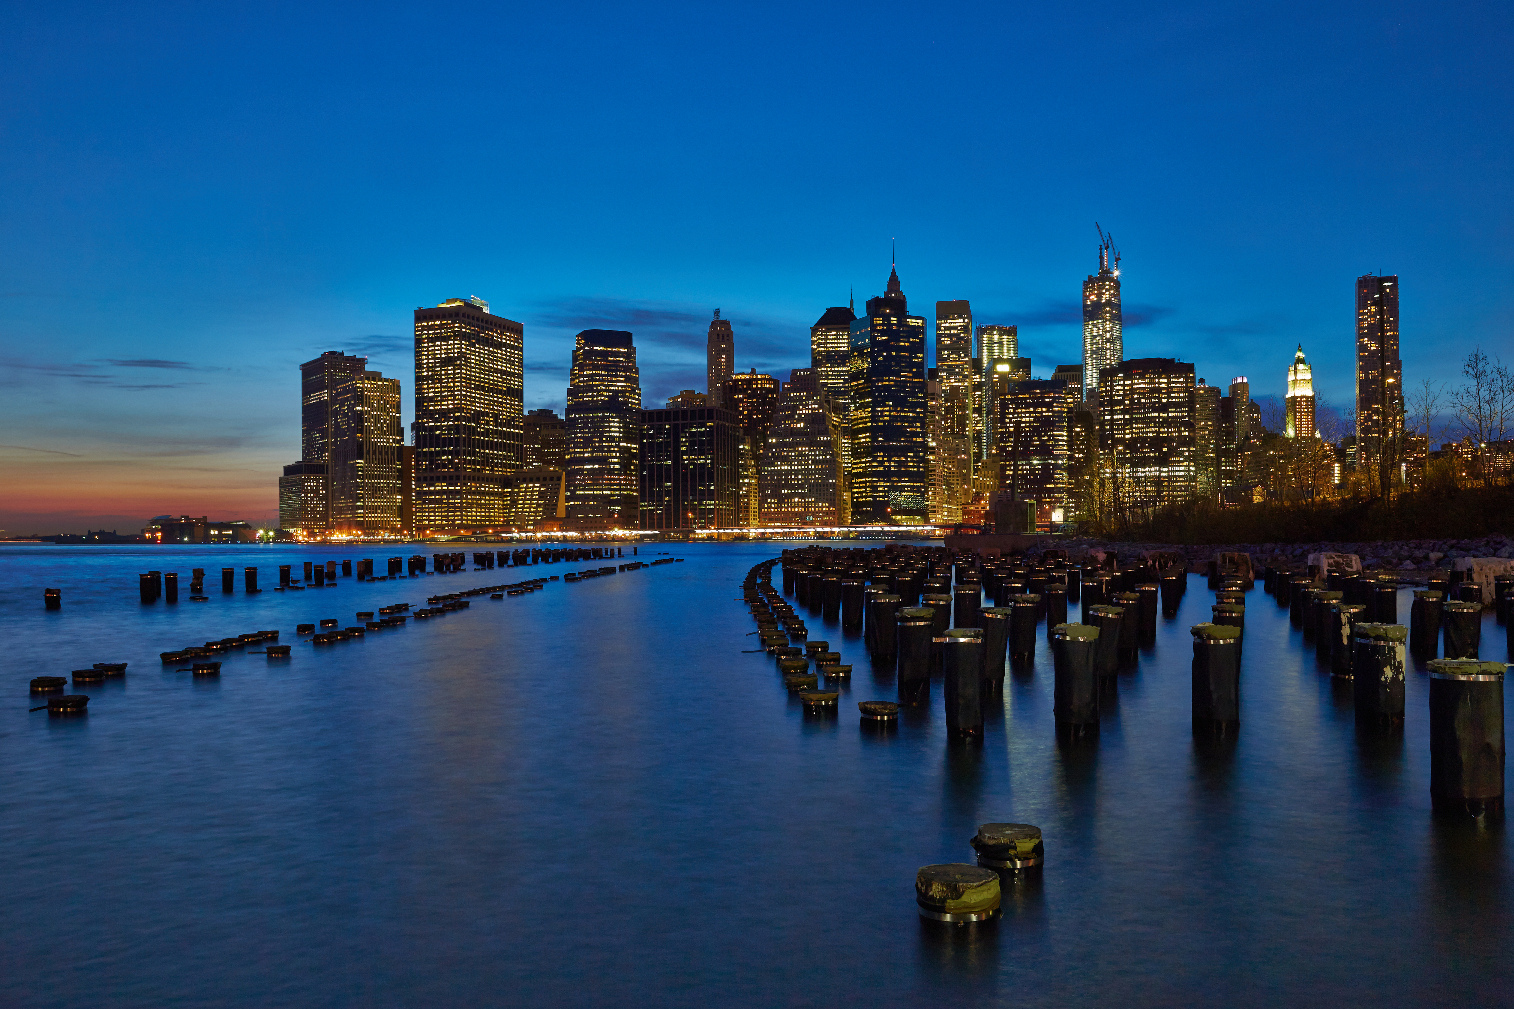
590,794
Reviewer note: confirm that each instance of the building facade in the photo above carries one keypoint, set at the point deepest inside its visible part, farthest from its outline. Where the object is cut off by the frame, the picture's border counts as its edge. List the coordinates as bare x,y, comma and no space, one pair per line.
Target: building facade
1298,419
720,357
468,415
751,398
1379,373
950,437
1146,416
1206,440
1103,325
1034,420
603,424
886,411
544,441
319,381
995,343
831,350
302,497
803,480
364,472
688,468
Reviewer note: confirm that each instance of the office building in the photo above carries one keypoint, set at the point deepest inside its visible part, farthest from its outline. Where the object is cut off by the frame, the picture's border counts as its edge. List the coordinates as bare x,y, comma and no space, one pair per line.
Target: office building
1070,375
1379,373
720,357
688,399
1298,419
995,343
751,398
1103,329
1033,422
950,438
802,482
1000,377
886,472
364,472
688,468
603,421
536,498
1206,439
468,415
1146,415
319,381
544,441
302,497
831,349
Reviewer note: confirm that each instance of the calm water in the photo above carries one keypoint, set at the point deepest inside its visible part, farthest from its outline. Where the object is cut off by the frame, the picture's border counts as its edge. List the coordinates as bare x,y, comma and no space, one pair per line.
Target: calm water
590,795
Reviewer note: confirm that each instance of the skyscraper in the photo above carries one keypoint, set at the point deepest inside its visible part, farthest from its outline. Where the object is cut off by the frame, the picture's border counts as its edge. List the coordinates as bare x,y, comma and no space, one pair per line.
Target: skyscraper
951,435
720,356
1299,413
468,407
887,412
954,338
1146,413
1379,374
1001,376
751,398
802,480
365,455
1206,439
831,349
1103,330
544,441
688,468
603,419
319,381
995,343
1034,419
1072,375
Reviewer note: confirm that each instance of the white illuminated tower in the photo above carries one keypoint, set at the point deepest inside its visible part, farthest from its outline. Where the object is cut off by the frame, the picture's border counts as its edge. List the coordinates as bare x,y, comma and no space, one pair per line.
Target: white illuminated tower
1103,334
1299,416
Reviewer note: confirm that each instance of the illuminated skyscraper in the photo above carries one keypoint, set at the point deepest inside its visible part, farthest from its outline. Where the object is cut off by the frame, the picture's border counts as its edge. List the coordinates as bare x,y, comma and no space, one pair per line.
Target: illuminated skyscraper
603,418
1103,330
752,398
468,407
831,349
1146,413
1206,439
720,357
365,455
688,468
1001,377
302,497
1379,373
995,343
802,481
951,435
887,412
1034,418
544,441
1072,376
319,381
1299,416
954,338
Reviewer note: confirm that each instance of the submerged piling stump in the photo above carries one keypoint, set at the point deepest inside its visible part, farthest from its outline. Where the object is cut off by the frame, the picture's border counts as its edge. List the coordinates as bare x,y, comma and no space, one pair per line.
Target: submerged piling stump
1461,623
1216,679
1377,673
1074,652
1466,737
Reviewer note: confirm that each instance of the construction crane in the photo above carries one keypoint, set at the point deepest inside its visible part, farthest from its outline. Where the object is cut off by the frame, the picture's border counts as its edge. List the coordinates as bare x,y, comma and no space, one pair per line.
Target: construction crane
1109,256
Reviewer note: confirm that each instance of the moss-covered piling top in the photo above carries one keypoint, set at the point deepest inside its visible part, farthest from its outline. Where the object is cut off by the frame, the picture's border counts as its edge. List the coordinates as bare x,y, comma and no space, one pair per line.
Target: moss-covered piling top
1029,598
1467,667
1329,596
1429,594
1380,632
998,611
1462,606
1215,632
1075,632
962,634
958,887
920,613
1022,837
1107,611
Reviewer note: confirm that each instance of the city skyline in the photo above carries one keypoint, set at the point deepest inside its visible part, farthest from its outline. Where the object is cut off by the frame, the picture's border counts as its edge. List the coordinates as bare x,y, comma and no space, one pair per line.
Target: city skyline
175,237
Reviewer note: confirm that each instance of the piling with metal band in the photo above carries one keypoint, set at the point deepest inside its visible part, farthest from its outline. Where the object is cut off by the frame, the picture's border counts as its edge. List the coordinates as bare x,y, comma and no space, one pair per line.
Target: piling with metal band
48,684
1054,605
811,647
206,667
1129,625
966,599
1216,678
957,893
1022,628
830,597
1317,619
878,713
1009,847
278,651
145,588
789,666
1424,623
939,603
68,704
1074,652
1466,737
796,682
819,702
834,670
1074,583
884,615
1502,586
1462,625
1107,655
962,665
851,605
1469,592
996,623
1146,613
1343,617
814,596
1377,673
250,579
1094,594
1298,589
916,628
52,599
171,587
1384,605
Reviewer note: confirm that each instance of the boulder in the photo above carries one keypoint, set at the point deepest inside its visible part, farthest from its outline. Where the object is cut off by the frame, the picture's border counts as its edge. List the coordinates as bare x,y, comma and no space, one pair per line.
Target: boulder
1324,563
1483,570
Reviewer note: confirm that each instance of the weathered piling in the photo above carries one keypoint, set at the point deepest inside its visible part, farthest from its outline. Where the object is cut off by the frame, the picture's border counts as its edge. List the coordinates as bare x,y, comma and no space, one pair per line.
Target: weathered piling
52,599
884,616
996,622
1054,605
966,598
1343,617
962,665
171,586
1317,620
1074,652
957,893
278,651
1502,586
1377,673
1466,737
1424,624
1107,653
879,714
1216,679
1461,625
916,629
67,705
1129,625
1384,606
830,600
250,579
206,667
851,605
814,595
1022,628
1146,613
228,581
320,575
819,703
1009,847
48,684
145,588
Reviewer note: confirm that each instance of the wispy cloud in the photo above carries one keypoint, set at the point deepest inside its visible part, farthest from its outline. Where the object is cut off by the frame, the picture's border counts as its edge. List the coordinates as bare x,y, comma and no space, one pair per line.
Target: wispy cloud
106,372
43,451
1069,312
151,362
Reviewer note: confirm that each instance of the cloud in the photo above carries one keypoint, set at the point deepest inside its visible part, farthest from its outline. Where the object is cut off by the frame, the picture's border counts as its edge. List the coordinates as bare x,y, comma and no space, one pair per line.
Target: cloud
671,331
44,451
1069,312
151,362
380,345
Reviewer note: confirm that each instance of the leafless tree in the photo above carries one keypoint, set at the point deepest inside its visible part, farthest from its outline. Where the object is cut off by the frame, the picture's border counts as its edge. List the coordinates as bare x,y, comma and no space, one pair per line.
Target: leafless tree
1483,403
1426,400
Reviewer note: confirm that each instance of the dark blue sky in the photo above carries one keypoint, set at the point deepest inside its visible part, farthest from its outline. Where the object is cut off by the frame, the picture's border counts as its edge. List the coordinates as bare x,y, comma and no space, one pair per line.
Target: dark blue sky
195,198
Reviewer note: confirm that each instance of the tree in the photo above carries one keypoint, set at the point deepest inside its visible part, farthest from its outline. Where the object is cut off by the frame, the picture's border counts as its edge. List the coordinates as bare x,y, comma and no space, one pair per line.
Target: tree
1425,403
1483,404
